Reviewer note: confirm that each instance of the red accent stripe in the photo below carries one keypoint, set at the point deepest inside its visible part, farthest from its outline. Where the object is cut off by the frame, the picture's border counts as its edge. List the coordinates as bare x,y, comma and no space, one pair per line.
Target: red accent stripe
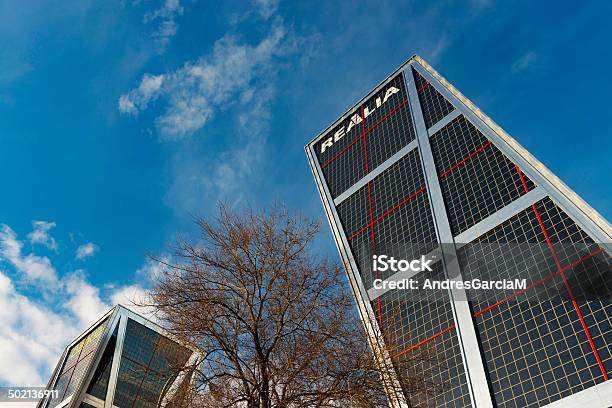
147,368
143,365
520,173
371,218
550,245
552,275
423,342
365,152
398,205
569,290
561,271
422,88
395,207
537,214
360,231
584,326
78,360
480,149
65,370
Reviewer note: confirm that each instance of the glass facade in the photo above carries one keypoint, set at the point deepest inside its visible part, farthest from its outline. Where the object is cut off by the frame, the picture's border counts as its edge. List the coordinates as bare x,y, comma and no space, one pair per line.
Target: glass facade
77,364
533,346
148,364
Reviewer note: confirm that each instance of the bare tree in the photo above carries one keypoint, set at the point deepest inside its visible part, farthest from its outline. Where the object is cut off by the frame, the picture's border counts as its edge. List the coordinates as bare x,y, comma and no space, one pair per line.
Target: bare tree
275,324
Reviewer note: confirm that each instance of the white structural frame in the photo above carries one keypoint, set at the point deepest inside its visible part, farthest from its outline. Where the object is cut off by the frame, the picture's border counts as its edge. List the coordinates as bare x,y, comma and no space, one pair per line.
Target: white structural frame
117,319
548,185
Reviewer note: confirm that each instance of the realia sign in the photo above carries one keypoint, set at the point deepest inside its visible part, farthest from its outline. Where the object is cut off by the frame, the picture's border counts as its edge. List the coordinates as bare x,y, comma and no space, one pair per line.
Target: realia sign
357,119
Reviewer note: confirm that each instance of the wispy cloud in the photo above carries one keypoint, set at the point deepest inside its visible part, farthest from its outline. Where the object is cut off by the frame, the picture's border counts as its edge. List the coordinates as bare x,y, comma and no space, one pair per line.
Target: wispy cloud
192,94
40,234
86,250
528,61
267,8
166,16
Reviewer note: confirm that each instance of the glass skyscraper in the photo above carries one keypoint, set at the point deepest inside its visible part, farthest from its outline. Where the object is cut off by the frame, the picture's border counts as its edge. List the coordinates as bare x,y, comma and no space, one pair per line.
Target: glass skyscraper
123,361
415,169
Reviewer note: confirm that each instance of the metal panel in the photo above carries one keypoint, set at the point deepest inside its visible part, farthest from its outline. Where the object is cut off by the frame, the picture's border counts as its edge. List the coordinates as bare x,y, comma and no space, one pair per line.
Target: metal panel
500,216
598,396
463,318
112,381
443,122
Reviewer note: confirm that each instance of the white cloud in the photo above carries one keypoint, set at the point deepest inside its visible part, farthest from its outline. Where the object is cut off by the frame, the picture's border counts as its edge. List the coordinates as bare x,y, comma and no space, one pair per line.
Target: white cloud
83,299
194,92
167,28
138,99
86,250
34,332
40,234
31,338
35,269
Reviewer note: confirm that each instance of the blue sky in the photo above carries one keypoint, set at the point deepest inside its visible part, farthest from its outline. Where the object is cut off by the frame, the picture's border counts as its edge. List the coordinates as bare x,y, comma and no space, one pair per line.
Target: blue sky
119,120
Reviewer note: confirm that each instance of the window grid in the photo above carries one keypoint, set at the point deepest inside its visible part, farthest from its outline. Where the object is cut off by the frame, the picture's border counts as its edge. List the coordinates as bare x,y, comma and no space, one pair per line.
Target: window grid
433,367
515,249
413,316
346,170
440,366
354,212
433,105
148,360
397,182
481,185
535,346
389,137
408,232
